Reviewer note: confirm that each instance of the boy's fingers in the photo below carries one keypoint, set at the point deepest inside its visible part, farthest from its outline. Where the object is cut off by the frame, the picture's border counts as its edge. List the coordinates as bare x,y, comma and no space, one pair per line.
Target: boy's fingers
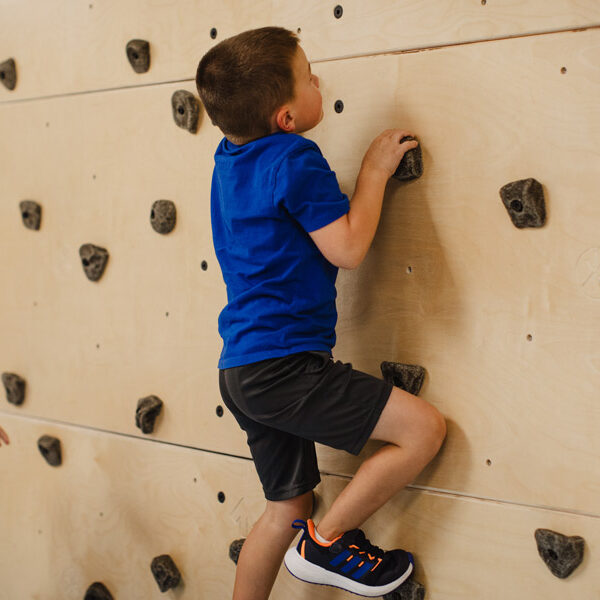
3,436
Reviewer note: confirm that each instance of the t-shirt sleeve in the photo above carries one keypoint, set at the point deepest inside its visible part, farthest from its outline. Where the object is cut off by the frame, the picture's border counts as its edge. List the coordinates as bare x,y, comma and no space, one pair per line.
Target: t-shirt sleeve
307,188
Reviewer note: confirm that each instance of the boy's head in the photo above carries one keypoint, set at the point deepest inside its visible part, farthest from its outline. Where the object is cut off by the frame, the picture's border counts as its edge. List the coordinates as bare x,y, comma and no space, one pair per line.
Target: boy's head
257,83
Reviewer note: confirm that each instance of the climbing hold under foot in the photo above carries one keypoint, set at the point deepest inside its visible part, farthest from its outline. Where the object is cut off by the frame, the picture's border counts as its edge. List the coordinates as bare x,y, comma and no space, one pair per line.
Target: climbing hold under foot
409,590
235,548
146,413
562,554
8,73
524,201
93,259
50,448
138,54
31,213
407,377
15,388
97,591
165,572
163,216
186,110
411,165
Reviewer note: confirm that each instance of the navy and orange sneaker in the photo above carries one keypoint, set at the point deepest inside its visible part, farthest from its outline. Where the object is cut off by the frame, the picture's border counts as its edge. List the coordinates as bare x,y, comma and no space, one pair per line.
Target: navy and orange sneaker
349,562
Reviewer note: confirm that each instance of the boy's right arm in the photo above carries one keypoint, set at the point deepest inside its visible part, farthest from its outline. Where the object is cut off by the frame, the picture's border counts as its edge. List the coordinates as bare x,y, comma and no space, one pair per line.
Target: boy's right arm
345,242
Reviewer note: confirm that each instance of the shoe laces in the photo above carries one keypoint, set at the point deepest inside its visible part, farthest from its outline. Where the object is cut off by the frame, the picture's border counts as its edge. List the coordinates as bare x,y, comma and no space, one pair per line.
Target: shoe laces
364,546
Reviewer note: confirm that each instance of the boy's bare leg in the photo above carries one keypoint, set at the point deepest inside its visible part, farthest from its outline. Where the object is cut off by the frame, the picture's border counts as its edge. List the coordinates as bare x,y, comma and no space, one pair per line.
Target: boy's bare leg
415,430
262,553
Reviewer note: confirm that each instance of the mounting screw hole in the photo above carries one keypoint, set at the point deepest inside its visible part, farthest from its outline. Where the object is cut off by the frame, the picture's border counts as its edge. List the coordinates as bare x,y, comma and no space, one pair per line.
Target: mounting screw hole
219,411
529,337
563,70
338,106
338,11
213,33
221,497
488,462
204,265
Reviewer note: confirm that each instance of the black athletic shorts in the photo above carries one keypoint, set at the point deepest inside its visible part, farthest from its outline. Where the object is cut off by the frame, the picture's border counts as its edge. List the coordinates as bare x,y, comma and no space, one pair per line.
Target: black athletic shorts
286,404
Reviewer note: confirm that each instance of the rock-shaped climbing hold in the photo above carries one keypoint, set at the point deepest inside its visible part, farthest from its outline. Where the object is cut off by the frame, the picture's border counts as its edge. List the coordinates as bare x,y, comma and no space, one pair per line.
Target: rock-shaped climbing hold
408,377
165,572
146,413
411,165
186,110
235,548
31,212
8,73
50,448
138,53
409,590
562,554
94,259
524,201
163,216
97,591
15,388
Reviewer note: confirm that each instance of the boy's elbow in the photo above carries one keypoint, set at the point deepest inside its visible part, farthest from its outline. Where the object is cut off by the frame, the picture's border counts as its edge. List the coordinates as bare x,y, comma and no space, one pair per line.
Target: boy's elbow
351,260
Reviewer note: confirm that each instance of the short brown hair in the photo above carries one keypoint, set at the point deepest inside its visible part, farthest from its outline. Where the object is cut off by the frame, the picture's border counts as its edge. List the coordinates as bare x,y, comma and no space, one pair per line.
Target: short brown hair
243,80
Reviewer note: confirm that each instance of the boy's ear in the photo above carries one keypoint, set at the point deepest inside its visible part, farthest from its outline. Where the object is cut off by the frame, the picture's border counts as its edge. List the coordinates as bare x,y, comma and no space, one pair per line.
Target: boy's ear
285,120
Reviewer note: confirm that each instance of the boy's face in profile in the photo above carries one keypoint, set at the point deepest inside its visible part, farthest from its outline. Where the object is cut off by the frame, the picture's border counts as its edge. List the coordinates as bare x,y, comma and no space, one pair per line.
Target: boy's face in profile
307,106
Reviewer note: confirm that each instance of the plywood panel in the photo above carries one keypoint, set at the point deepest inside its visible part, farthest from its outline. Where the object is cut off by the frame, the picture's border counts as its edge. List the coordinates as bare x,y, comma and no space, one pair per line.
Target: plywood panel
117,502
83,43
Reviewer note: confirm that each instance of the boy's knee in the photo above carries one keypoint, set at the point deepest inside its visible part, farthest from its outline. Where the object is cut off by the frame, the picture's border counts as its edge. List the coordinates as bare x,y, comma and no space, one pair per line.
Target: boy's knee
299,507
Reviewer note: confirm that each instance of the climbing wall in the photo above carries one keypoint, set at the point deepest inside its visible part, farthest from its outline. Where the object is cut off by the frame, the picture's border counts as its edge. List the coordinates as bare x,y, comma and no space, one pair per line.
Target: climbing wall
504,320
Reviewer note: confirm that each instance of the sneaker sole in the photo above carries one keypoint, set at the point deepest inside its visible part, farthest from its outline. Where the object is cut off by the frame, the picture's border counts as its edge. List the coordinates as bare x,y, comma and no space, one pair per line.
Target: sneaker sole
310,573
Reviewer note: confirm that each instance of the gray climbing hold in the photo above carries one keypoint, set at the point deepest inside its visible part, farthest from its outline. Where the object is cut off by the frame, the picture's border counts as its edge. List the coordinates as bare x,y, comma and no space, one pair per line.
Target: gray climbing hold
94,259
163,216
146,413
235,548
138,53
408,377
31,212
562,554
15,388
524,201
186,110
8,74
165,572
409,590
97,591
50,448
411,165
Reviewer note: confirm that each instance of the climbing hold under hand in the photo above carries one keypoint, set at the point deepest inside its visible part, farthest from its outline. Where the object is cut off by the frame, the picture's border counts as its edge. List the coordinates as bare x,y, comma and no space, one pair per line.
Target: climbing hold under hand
15,388
94,259
31,213
411,165
165,572
186,110
409,590
407,377
524,201
97,591
8,74
163,216
138,53
562,554
147,412
235,548
50,448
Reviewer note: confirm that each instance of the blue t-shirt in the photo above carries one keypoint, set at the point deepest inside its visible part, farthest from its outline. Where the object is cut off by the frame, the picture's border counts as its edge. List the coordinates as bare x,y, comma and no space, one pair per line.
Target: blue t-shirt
266,196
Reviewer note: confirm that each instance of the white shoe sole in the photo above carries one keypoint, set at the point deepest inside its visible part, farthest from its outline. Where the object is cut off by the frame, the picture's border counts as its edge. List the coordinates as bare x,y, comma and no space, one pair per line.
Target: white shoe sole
306,571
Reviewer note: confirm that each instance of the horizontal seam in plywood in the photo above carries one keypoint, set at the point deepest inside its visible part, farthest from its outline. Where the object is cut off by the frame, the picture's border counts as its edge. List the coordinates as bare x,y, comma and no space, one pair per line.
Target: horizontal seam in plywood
324,60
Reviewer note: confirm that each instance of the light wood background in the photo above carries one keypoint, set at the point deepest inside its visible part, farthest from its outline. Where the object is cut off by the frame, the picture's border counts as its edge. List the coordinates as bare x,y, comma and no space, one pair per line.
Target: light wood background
449,284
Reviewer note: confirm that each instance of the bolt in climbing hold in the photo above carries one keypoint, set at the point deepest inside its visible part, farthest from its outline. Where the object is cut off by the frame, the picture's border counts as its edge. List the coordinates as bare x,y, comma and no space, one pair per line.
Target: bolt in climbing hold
409,590
408,377
138,53
163,216
31,212
165,572
411,165
97,591
50,448
235,548
8,73
15,388
93,259
338,106
562,554
524,201
147,411
186,110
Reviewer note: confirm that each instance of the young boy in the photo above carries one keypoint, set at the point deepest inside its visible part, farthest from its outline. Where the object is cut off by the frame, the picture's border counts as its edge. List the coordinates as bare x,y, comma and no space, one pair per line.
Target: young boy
281,229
